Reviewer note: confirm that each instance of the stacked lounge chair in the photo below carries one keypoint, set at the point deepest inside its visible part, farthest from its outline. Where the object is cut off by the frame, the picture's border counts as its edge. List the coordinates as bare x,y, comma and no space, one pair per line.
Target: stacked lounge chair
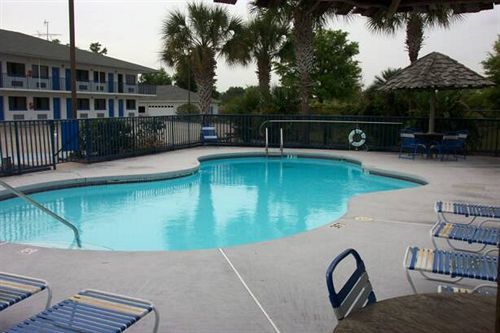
90,311
470,210
15,288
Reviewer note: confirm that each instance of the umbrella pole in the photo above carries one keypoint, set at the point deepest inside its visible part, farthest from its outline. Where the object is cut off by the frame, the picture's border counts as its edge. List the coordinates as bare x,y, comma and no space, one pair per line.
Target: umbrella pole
432,115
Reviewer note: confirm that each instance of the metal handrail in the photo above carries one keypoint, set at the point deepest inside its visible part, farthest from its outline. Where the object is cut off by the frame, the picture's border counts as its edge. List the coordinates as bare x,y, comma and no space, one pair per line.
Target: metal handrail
328,121
24,197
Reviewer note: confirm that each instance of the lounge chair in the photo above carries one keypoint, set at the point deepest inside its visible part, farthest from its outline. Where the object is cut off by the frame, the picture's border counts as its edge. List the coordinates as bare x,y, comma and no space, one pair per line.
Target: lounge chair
356,293
89,311
466,209
466,233
482,289
410,145
15,288
208,135
453,264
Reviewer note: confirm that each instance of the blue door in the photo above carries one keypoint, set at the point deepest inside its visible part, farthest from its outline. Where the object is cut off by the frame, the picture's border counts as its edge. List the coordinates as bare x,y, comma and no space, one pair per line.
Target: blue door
111,107
120,108
57,108
68,79
69,113
1,108
56,79
111,84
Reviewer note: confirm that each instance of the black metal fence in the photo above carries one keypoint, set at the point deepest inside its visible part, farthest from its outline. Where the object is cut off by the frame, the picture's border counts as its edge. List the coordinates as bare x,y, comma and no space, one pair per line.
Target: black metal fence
34,145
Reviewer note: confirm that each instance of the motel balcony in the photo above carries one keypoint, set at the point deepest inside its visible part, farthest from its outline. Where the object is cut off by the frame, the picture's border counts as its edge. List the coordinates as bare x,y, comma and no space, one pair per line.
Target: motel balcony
64,84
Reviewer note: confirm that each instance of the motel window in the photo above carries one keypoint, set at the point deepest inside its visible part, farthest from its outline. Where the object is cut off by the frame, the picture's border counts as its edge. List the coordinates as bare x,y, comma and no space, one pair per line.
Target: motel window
130,79
130,104
82,75
41,103
15,69
38,71
83,104
100,77
17,103
99,104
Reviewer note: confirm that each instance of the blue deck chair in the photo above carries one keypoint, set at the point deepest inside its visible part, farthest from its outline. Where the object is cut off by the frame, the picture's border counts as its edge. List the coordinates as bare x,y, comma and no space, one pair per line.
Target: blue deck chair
90,311
356,293
451,145
15,288
452,264
410,146
208,135
468,210
465,233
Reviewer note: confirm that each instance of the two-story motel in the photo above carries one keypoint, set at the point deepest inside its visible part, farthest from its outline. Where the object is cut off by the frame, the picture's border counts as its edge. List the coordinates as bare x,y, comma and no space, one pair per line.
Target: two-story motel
35,81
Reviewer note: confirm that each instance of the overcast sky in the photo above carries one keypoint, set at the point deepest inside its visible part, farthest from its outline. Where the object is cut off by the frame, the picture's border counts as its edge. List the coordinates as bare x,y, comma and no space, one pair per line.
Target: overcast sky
130,29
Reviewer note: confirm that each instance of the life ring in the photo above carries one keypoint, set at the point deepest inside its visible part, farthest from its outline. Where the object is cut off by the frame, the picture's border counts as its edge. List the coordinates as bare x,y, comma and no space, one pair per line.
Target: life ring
357,138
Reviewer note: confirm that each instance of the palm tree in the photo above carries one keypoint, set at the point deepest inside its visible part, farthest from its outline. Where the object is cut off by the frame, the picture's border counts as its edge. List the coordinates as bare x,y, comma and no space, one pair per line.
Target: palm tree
205,34
306,16
386,75
415,24
265,35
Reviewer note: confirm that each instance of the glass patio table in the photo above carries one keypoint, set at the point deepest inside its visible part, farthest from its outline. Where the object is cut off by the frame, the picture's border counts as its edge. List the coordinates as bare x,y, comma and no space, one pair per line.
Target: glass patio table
424,313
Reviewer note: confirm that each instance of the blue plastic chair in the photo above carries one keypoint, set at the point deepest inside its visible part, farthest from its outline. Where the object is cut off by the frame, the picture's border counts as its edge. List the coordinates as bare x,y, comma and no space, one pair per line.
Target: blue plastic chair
410,145
450,145
356,293
209,135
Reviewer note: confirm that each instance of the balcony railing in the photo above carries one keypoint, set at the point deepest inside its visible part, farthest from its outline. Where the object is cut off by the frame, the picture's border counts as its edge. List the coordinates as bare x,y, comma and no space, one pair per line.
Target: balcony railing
63,84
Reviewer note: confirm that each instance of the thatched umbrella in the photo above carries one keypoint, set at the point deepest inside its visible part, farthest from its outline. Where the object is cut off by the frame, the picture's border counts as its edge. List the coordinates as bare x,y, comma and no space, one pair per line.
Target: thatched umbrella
435,72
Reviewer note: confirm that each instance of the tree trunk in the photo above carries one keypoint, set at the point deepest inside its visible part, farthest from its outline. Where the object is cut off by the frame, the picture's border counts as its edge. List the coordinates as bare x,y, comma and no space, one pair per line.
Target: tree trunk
264,75
304,53
204,76
414,36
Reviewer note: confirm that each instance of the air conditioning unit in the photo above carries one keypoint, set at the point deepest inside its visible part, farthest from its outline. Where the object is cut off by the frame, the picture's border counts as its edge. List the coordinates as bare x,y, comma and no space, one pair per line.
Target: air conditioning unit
41,85
131,114
18,117
100,115
83,87
84,115
41,117
17,83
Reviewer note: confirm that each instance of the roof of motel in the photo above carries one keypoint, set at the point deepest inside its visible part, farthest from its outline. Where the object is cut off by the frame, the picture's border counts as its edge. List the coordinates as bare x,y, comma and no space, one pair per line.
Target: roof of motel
173,94
19,44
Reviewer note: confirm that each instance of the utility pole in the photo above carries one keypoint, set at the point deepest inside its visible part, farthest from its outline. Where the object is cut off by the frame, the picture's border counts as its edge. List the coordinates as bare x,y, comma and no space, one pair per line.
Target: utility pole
72,57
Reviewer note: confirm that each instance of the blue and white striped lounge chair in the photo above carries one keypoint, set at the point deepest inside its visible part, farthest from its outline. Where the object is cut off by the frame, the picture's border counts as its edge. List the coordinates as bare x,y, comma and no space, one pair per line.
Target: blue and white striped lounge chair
466,233
486,290
208,135
470,210
89,311
456,265
15,288
356,293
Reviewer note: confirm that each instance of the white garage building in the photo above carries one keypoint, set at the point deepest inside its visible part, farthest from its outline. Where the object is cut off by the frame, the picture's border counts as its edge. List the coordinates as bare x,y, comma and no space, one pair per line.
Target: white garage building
167,100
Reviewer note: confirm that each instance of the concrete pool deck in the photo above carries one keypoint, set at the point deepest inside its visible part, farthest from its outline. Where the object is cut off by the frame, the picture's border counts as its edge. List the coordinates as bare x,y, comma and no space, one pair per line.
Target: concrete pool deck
198,291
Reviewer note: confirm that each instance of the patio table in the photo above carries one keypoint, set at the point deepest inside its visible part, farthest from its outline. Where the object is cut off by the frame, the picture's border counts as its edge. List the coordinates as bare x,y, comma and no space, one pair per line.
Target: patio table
424,313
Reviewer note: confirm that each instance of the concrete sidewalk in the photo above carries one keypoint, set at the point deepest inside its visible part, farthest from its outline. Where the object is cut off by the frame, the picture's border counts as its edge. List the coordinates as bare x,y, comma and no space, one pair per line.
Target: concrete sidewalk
197,291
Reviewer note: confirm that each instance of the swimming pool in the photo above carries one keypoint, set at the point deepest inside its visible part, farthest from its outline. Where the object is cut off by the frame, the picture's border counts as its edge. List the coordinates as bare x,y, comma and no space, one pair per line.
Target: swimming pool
227,202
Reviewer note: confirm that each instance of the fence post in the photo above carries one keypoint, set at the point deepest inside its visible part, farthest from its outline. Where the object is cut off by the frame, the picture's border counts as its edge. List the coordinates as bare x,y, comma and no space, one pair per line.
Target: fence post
88,140
498,138
172,131
18,153
53,149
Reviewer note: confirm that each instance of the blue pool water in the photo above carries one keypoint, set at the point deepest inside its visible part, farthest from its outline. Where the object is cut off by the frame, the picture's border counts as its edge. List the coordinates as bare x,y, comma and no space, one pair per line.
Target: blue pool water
228,202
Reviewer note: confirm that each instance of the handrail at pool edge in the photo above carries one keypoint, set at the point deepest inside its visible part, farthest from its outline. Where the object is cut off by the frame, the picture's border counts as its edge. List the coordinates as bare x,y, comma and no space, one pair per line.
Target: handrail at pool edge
24,197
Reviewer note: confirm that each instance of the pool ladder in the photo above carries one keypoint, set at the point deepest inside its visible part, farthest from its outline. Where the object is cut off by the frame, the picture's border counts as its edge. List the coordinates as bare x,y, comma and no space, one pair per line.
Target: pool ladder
24,197
281,142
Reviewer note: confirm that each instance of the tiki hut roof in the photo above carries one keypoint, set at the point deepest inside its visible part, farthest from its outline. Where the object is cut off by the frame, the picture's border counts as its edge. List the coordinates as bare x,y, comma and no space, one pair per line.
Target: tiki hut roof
436,71
373,8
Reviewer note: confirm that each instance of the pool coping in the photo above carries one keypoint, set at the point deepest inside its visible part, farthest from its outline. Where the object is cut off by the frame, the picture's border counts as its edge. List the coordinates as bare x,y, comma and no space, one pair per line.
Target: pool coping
158,176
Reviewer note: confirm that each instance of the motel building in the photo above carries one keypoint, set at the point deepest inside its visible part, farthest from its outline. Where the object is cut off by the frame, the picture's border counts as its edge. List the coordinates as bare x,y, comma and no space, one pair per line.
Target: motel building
35,81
